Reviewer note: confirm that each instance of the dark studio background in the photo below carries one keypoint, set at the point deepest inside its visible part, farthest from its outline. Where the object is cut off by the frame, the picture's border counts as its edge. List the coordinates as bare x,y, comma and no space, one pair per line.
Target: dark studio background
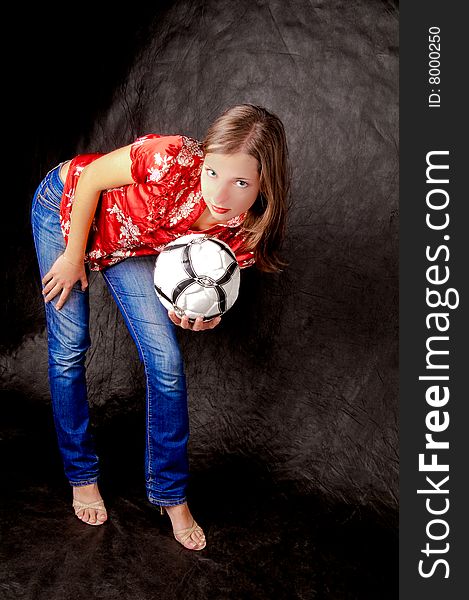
293,398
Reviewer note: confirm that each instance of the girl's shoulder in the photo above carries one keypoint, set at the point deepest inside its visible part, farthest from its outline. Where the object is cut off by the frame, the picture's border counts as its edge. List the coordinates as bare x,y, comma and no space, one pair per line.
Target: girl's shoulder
154,155
170,145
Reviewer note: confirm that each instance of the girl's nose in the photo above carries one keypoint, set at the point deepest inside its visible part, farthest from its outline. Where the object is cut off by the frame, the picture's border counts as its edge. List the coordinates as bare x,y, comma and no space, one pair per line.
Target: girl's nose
220,196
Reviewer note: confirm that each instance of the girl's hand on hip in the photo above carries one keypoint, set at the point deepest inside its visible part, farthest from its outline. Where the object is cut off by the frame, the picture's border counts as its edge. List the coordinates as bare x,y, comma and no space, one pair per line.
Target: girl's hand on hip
198,325
61,278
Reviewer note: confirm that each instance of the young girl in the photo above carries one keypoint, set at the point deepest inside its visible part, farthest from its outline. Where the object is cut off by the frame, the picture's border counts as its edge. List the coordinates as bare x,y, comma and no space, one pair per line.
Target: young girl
114,212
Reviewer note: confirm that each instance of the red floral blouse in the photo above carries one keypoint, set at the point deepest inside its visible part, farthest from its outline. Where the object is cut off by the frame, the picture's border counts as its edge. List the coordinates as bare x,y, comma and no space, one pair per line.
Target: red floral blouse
164,202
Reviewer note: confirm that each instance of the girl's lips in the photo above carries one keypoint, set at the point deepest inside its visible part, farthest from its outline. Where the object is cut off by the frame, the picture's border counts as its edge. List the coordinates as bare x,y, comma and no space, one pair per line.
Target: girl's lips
220,210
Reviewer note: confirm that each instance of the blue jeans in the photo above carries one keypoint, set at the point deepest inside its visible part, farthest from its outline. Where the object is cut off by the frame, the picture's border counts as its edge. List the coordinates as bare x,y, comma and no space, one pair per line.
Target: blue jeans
131,285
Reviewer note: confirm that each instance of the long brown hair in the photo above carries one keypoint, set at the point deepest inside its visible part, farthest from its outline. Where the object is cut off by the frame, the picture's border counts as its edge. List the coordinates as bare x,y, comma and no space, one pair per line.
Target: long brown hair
255,131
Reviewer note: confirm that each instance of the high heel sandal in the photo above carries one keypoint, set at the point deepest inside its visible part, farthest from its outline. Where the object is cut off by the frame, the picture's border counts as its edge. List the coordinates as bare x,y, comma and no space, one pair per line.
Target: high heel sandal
183,535
97,505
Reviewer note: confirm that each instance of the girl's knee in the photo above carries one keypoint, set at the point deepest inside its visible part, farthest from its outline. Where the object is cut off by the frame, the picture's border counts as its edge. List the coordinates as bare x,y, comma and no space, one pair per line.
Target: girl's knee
68,346
168,368
68,355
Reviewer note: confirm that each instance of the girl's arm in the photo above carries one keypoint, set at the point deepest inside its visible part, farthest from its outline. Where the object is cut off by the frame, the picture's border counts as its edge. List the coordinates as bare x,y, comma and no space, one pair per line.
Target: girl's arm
108,171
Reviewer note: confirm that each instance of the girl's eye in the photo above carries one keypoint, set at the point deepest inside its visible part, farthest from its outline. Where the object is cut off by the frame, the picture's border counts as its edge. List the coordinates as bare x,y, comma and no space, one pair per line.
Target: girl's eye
243,184
210,172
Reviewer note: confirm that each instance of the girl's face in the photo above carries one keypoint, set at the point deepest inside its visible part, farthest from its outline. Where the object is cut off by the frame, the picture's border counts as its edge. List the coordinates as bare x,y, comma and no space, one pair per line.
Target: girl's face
229,183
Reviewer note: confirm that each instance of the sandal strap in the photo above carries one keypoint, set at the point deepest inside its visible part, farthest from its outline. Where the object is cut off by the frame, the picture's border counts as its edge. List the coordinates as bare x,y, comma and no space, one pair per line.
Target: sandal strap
97,505
186,533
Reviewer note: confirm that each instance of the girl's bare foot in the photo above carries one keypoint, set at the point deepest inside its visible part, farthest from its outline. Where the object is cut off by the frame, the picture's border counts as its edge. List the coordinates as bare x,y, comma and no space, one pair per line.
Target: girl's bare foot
95,514
185,529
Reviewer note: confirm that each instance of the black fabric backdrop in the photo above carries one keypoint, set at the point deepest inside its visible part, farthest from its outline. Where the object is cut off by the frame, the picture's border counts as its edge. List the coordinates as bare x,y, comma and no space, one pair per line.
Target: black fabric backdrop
299,382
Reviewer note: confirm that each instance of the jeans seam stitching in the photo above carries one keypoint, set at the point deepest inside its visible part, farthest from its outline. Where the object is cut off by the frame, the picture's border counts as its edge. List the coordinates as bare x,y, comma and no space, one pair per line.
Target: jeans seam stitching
163,503
84,482
48,184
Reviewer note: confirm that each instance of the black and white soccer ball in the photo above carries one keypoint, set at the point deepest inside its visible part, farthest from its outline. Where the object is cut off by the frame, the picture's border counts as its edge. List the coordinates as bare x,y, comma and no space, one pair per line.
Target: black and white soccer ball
197,275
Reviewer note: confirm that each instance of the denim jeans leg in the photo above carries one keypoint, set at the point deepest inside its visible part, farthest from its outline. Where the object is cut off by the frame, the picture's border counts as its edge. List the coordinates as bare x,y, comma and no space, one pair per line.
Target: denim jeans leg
166,461
68,341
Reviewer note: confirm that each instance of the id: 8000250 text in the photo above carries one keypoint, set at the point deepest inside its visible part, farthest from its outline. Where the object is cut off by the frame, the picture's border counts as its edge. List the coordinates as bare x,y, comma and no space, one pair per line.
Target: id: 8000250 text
434,76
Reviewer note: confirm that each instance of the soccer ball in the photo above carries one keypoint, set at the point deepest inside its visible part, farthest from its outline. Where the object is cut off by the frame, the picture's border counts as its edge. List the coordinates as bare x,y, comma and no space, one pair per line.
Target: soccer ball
197,275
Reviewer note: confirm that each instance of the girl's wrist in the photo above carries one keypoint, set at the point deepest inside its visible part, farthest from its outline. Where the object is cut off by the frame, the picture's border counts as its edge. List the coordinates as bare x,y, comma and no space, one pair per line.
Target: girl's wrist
73,261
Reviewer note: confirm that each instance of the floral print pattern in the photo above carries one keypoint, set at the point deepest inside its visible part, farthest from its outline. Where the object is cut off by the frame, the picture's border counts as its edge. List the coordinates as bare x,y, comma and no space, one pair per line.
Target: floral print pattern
129,232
